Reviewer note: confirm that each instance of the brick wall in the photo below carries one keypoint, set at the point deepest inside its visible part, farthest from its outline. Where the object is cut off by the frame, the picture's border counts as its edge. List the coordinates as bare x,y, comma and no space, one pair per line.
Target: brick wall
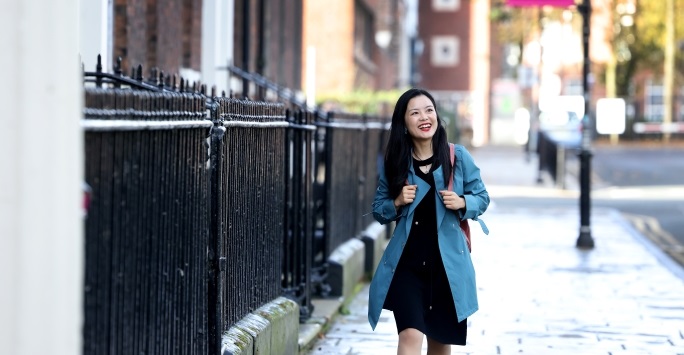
330,29
284,51
433,23
192,34
275,40
165,34
387,18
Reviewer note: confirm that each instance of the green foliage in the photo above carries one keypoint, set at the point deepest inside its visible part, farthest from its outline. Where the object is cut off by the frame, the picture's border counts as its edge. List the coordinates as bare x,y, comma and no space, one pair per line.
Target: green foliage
645,42
360,101
638,47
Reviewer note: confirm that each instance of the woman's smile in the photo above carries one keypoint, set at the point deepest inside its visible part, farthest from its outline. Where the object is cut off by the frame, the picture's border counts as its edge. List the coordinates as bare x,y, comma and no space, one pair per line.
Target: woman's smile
425,127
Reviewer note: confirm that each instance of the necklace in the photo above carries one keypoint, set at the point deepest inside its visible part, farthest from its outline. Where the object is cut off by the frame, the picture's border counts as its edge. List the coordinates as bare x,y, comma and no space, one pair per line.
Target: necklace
424,164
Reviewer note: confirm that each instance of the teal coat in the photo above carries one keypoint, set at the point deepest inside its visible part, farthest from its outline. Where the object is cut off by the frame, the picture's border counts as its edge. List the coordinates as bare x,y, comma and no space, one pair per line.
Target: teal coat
452,243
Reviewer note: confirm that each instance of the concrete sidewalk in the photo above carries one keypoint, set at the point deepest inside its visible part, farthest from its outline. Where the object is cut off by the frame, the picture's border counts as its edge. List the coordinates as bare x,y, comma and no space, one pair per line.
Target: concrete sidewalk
538,293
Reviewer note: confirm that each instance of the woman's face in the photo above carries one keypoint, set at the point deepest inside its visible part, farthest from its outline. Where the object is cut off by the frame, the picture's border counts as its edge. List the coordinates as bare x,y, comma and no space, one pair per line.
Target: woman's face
421,118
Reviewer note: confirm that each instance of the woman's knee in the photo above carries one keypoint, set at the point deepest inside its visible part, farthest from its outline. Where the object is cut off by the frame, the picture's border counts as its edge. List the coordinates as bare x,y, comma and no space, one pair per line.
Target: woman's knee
437,348
411,336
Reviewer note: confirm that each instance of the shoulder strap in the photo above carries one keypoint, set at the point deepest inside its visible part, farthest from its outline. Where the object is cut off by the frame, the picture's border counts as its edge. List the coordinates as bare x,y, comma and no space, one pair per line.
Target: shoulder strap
451,177
464,223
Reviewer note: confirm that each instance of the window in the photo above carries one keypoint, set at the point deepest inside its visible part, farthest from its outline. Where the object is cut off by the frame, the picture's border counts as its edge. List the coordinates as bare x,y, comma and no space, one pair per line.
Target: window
364,33
446,5
680,99
654,109
444,51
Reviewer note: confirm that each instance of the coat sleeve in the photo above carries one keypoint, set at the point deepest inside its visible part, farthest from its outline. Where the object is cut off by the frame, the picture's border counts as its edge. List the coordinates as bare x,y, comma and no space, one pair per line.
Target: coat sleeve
383,205
474,191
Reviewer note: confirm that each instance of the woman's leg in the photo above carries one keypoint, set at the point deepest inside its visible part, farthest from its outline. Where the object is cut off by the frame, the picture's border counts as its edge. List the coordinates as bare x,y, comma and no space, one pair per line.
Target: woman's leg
410,341
437,348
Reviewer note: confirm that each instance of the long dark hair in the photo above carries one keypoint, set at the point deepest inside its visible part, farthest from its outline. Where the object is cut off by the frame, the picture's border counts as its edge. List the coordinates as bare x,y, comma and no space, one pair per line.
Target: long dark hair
399,146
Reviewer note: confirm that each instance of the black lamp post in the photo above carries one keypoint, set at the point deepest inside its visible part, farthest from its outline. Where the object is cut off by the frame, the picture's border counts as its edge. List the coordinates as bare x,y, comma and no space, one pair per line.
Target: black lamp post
585,240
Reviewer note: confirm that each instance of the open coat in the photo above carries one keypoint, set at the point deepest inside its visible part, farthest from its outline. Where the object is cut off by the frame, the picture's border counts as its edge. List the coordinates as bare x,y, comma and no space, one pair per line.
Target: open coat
452,243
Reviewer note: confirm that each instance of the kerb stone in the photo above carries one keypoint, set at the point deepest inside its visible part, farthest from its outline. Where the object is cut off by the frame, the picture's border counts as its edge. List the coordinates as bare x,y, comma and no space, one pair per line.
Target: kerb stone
346,268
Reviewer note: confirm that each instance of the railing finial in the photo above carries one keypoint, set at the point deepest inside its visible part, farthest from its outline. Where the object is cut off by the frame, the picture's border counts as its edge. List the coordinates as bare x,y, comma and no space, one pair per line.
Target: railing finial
139,74
117,68
160,81
98,67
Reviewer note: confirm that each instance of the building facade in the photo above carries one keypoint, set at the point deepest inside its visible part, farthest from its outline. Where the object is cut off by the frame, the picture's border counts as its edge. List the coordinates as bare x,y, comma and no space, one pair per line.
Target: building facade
453,62
353,45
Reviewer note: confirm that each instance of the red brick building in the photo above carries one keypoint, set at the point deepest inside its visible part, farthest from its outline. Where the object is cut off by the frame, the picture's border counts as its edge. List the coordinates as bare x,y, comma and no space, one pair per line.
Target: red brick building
358,42
165,34
352,44
273,45
455,63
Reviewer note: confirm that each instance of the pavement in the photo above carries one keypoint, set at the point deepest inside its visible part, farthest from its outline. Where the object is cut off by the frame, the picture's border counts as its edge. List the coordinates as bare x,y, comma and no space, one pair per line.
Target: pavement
538,293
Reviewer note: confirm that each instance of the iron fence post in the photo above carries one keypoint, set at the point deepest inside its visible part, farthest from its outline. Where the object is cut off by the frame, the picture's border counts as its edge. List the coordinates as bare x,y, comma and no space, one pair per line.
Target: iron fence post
216,263
585,240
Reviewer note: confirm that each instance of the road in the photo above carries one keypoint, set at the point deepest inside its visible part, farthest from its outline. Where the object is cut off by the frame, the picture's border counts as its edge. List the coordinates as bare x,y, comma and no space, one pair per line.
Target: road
645,183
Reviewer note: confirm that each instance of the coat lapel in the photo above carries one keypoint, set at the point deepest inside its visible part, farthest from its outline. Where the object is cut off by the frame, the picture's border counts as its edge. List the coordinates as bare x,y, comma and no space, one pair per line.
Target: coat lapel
439,186
422,190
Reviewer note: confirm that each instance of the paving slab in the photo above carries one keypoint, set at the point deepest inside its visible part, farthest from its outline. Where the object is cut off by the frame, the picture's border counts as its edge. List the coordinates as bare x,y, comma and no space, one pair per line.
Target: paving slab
538,293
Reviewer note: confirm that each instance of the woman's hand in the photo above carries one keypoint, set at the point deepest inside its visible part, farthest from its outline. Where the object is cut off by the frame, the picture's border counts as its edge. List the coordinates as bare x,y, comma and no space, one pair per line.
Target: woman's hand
407,195
452,201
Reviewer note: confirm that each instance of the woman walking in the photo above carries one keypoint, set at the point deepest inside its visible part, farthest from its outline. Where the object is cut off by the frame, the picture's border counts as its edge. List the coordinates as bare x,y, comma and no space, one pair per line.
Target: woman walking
426,276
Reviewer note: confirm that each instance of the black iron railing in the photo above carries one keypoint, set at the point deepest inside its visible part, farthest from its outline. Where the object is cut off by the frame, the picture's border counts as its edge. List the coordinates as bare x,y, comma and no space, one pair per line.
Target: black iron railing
147,226
205,208
555,151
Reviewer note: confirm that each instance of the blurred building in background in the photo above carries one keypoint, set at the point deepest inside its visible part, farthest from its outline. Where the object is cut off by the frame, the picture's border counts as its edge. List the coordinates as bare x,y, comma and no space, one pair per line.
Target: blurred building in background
633,57
322,51
353,44
492,68
155,34
453,61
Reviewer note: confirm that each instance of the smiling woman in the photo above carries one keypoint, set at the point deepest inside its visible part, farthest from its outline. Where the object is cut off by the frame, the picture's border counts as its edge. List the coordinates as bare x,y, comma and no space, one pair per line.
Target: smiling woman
426,276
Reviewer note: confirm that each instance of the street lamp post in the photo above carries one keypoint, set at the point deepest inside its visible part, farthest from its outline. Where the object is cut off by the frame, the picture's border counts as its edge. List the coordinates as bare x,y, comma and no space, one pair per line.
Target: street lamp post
585,240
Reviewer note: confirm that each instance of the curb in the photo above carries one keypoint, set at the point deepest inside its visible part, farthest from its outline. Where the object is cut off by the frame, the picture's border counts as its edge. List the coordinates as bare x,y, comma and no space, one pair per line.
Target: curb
660,255
346,267
349,263
270,329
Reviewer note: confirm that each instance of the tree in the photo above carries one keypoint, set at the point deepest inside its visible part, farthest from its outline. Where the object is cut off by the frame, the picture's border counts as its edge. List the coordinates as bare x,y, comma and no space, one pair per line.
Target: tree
642,46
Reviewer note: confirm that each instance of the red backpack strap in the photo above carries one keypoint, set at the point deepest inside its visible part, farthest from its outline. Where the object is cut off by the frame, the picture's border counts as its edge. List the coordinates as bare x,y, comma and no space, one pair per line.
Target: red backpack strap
464,223
451,155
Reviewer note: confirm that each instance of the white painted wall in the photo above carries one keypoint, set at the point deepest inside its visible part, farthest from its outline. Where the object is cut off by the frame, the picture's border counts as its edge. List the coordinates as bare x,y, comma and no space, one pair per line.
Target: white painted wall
217,42
41,170
95,33
479,72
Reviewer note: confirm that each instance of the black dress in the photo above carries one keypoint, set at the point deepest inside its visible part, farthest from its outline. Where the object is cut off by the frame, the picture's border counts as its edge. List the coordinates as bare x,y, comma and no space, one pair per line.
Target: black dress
419,294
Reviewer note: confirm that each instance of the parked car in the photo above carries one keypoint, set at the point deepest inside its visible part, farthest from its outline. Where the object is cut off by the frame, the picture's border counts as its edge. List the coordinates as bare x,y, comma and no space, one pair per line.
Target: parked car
563,127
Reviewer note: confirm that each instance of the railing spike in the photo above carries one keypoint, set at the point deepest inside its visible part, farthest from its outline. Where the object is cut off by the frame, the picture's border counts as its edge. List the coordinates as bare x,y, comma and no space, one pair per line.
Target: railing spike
117,68
160,81
98,67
